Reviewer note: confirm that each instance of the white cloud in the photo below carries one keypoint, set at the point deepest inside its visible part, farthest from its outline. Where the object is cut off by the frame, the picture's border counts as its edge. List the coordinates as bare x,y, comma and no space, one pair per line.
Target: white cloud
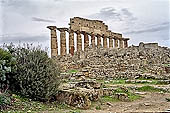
120,15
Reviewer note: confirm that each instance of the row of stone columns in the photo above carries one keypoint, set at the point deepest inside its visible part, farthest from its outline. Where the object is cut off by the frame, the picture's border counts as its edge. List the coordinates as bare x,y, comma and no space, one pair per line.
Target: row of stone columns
54,46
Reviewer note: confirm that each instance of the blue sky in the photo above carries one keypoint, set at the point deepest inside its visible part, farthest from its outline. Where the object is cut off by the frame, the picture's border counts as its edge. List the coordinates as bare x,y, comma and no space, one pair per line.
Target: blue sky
141,20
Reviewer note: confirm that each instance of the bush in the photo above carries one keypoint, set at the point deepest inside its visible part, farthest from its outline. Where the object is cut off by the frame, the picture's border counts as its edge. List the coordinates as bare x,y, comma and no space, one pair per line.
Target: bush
5,101
36,75
6,64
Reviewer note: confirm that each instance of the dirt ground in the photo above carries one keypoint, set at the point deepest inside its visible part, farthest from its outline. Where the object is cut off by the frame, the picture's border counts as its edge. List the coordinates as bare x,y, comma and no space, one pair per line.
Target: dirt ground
150,102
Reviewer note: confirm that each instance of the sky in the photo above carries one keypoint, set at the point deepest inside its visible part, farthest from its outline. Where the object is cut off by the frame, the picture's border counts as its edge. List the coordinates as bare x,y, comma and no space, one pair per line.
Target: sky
25,21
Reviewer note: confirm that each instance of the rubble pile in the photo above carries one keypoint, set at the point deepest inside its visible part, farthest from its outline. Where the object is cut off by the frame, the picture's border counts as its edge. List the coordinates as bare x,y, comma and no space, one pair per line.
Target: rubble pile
101,63
81,94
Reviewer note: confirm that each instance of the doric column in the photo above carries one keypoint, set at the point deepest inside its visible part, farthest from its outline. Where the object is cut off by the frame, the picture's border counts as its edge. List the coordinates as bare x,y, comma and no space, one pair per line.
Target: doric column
126,42
93,40
79,43
86,41
54,45
71,42
62,40
98,40
110,42
116,43
104,41
120,43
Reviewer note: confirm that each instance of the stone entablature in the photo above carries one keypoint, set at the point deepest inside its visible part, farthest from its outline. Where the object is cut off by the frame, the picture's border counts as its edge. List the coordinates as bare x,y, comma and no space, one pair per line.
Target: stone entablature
148,45
81,26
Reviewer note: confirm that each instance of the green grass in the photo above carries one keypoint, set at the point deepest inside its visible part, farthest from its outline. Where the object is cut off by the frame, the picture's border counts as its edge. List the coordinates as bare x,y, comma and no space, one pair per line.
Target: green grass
23,105
98,107
75,111
118,82
154,82
73,71
167,65
131,96
63,106
109,99
167,99
150,89
26,105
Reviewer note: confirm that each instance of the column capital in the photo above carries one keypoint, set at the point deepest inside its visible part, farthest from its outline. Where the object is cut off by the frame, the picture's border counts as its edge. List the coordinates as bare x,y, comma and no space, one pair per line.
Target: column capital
62,29
98,35
78,32
91,34
104,36
126,38
120,38
52,27
70,31
110,37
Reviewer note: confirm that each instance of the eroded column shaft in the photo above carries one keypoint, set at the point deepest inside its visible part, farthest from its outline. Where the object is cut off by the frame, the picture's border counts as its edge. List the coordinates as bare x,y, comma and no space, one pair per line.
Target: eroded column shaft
79,41
93,40
125,43
54,45
86,41
121,43
116,43
110,43
104,42
63,42
98,40
71,42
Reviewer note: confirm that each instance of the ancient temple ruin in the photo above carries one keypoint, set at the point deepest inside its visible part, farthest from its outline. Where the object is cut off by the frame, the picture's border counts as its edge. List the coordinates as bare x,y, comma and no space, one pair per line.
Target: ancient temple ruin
93,28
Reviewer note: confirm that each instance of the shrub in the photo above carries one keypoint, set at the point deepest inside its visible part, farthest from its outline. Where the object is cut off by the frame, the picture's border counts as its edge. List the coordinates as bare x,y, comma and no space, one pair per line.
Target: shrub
36,75
5,101
6,64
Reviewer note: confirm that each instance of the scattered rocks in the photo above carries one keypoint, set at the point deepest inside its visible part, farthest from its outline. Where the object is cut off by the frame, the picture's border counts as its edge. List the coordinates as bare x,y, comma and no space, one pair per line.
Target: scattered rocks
147,104
132,62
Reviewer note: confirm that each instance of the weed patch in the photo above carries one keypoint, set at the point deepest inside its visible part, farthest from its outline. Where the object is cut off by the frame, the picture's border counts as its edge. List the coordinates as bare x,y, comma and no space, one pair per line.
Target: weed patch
150,89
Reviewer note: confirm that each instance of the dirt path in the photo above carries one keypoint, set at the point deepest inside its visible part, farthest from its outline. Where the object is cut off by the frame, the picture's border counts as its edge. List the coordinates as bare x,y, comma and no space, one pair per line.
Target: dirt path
151,102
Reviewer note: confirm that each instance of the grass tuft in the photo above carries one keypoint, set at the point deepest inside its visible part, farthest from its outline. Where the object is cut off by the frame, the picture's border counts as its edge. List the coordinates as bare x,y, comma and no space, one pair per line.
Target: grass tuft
150,89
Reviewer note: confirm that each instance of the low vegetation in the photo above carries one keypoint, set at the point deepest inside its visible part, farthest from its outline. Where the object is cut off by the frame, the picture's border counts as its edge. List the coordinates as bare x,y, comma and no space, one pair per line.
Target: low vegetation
109,99
29,72
36,75
131,95
73,71
150,89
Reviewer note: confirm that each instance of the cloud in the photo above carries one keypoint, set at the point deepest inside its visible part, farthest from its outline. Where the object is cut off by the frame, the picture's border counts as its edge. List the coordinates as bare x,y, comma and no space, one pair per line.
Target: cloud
153,28
22,37
42,20
110,13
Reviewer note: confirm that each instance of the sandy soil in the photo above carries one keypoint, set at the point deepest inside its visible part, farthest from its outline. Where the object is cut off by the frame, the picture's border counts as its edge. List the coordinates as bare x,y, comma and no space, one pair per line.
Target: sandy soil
151,102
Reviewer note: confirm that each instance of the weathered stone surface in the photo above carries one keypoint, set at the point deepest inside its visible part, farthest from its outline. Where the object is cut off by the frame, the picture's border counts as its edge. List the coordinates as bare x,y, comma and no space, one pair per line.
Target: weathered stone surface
54,45
167,69
88,85
95,28
71,42
105,42
73,98
132,62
